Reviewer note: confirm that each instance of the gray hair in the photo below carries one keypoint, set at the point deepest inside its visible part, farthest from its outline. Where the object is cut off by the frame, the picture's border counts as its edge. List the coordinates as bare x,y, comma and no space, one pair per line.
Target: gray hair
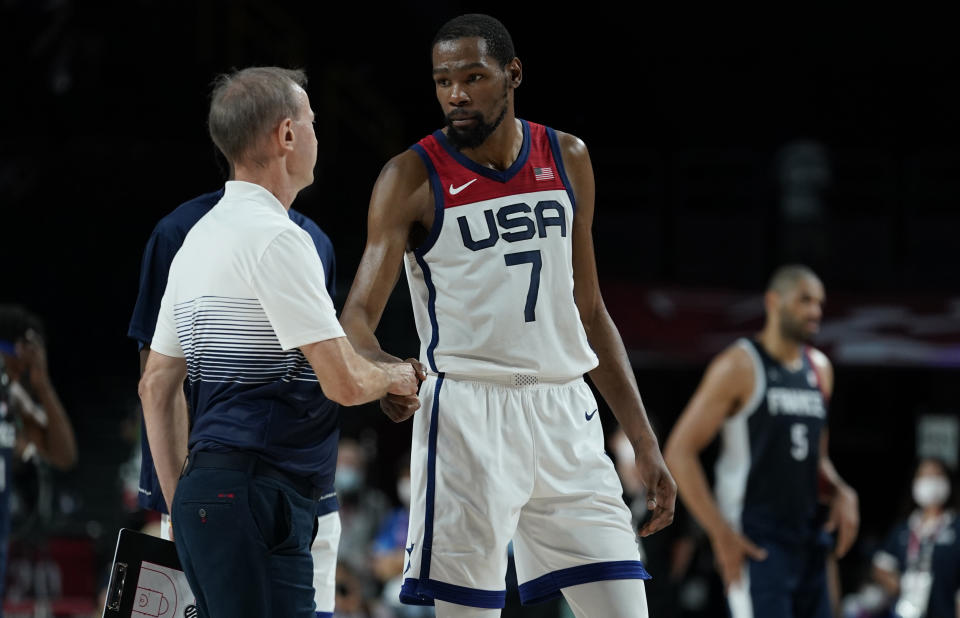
247,104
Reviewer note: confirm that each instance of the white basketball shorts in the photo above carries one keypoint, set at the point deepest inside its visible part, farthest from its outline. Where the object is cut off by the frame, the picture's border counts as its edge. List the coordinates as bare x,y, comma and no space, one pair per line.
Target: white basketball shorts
491,463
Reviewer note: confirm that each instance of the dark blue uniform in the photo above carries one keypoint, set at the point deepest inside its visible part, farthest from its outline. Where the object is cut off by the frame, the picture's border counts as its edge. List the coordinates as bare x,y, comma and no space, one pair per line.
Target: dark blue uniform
766,486
936,553
164,242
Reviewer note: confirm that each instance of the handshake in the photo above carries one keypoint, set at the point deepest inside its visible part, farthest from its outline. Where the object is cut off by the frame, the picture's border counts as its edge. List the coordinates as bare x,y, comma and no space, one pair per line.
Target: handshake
401,400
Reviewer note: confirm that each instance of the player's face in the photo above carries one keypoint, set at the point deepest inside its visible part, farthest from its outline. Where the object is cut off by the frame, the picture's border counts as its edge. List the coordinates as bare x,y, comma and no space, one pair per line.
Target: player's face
305,145
801,310
473,90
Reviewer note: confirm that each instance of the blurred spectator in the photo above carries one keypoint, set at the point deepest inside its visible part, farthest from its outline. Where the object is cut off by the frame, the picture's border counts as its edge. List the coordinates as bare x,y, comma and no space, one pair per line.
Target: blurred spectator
390,558
669,553
362,508
351,601
919,565
33,422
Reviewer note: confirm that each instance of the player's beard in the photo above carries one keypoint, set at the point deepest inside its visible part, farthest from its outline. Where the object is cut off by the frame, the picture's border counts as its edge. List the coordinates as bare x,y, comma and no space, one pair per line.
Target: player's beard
793,329
474,136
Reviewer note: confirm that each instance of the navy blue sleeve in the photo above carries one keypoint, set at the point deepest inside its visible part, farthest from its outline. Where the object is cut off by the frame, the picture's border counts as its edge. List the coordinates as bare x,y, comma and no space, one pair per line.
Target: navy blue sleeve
324,249
157,256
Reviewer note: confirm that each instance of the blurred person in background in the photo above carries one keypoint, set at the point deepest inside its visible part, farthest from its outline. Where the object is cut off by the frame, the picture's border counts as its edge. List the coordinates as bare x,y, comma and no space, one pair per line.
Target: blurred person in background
767,399
362,509
674,546
33,422
389,551
351,598
919,564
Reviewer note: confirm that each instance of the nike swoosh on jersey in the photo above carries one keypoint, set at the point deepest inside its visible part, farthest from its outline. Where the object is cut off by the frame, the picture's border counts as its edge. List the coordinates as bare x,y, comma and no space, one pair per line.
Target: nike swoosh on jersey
455,190
591,415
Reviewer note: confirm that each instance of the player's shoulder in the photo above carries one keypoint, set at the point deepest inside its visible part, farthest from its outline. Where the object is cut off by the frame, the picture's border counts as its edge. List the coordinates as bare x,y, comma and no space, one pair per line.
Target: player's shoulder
405,170
572,146
735,362
737,354
185,216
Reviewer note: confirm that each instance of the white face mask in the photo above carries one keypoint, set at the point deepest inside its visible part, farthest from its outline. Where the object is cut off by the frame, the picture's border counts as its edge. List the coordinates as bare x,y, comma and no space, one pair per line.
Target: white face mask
930,490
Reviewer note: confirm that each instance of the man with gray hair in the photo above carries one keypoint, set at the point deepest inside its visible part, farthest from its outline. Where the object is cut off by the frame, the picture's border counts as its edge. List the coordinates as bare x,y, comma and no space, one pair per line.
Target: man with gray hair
247,319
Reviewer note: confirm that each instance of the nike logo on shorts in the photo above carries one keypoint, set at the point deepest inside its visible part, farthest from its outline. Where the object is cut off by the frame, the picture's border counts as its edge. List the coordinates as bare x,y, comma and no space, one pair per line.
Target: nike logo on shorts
591,415
455,190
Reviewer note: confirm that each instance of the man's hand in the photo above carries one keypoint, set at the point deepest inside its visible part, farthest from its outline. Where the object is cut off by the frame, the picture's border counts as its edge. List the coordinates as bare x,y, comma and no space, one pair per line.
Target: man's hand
660,486
400,405
33,353
730,549
844,518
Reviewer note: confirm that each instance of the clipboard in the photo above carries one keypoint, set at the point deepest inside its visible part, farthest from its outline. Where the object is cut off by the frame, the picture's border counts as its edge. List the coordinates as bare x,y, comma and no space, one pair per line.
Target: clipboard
146,580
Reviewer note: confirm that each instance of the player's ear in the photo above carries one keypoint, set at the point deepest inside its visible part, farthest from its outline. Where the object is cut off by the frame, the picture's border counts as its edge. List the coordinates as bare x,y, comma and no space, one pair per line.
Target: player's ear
514,72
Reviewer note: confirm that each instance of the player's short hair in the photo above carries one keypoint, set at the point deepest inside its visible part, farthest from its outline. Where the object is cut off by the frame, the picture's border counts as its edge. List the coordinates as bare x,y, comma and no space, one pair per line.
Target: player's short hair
785,277
246,105
490,29
15,321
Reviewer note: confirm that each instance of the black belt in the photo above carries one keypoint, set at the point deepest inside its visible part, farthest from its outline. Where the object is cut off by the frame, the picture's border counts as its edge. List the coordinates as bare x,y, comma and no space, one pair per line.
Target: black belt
255,466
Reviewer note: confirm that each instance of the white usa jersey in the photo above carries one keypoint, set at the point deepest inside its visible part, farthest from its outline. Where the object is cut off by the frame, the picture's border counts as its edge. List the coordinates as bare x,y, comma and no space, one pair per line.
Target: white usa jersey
492,285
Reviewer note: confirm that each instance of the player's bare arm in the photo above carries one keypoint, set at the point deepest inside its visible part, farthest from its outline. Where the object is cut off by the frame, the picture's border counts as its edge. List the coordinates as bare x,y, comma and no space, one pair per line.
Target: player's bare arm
614,376
400,210
165,417
844,518
725,387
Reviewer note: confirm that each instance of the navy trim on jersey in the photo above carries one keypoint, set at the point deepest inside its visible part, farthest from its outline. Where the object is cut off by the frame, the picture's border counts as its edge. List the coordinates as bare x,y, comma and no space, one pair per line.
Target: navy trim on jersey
427,547
548,586
558,159
412,593
437,202
500,176
324,614
431,309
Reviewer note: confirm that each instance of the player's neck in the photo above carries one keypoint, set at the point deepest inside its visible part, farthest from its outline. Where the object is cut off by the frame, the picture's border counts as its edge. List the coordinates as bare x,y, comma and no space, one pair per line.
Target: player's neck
272,178
502,148
785,351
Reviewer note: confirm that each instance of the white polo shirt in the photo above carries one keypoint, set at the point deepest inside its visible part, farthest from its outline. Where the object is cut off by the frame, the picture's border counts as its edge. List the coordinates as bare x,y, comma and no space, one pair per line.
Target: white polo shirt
245,290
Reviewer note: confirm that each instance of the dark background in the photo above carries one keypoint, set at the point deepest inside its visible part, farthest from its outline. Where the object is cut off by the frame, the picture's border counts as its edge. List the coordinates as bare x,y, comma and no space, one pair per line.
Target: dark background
686,114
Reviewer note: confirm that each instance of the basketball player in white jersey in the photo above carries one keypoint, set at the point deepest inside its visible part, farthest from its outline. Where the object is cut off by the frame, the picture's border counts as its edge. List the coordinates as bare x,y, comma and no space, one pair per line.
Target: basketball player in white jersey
491,217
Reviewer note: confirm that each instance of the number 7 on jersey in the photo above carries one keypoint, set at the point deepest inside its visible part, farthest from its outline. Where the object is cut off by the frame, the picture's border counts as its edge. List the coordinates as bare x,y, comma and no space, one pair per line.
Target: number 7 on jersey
533,258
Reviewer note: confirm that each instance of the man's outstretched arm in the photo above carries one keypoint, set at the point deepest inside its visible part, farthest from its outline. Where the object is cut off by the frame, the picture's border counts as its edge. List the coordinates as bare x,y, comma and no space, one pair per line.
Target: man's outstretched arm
400,197
613,377
725,386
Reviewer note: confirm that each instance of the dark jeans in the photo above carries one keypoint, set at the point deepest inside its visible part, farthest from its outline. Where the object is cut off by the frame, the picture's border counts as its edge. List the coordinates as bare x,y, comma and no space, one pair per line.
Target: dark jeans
244,544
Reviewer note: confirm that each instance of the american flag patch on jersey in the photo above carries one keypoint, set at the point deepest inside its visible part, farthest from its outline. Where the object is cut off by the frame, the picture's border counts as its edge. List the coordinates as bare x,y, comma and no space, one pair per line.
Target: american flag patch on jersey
543,173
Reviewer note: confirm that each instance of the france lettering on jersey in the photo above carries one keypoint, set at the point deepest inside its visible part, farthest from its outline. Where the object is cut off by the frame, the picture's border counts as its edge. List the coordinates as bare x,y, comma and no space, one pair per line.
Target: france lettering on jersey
492,286
766,474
